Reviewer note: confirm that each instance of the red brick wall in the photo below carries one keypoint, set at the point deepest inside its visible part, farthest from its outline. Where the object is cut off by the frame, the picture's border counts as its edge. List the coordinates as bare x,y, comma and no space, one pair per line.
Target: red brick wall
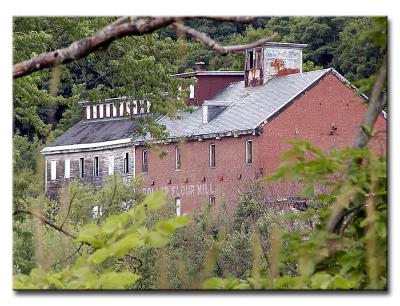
208,86
230,164
311,115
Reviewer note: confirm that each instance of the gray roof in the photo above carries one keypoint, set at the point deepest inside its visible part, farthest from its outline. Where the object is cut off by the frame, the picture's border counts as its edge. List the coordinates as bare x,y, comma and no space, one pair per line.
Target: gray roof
97,131
248,108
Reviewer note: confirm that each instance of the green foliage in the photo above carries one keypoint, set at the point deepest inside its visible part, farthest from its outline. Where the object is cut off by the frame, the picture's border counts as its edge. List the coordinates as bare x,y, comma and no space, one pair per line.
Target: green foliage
113,238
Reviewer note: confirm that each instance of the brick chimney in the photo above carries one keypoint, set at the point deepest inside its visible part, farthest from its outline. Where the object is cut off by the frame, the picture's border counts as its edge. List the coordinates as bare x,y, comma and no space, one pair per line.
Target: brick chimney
272,60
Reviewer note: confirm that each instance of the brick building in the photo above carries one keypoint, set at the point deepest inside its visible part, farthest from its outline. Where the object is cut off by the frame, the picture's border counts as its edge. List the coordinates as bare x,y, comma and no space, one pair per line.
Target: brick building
235,135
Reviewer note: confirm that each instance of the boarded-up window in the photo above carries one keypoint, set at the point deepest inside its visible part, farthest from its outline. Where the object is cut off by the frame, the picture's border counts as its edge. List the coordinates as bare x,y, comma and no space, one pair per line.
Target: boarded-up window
81,167
53,170
177,158
87,112
110,164
191,96
249,152
212,155
67,168
145,161
96,166
178,206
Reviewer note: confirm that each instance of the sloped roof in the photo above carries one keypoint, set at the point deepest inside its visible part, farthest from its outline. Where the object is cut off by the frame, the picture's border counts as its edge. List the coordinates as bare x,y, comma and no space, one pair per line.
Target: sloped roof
248,107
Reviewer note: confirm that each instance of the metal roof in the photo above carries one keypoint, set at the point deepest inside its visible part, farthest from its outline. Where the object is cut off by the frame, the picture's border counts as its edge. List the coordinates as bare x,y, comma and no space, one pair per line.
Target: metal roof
97,131
249,107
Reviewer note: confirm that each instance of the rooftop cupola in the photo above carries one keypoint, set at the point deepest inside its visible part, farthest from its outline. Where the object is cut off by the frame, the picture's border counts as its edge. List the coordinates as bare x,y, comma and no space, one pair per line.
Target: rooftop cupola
272,60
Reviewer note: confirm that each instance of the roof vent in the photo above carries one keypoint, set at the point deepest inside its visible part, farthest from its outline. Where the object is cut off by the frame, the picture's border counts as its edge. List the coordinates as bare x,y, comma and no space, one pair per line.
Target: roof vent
201,66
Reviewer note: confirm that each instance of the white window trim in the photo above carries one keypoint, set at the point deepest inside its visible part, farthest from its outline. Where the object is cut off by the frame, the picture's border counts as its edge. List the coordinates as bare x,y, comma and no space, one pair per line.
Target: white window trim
114,110
53,170
176,158
67,168
110,164
94,111
108,111
191,95
121,109
178,206
81,167
143,153
247,152
210,155
101,111
88,112
94,166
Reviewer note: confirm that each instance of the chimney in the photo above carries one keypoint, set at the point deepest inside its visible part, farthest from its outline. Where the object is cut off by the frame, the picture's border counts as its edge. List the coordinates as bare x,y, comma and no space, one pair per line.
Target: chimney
272,60
201,66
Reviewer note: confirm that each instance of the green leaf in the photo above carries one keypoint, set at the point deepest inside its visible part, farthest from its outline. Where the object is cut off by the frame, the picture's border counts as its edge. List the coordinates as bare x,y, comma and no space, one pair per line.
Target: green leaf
157,239
117,280
88,234
123,246
214,283
155,200
321,280
100,255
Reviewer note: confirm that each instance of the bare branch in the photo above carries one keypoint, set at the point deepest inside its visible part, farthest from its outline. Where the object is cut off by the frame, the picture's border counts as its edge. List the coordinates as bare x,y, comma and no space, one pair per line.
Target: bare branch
207,40
45,221
375,106
125,26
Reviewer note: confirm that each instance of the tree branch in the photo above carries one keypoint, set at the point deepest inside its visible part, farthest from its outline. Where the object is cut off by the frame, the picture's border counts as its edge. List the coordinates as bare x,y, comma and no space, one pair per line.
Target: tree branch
45,221
375,106
208,41
124,26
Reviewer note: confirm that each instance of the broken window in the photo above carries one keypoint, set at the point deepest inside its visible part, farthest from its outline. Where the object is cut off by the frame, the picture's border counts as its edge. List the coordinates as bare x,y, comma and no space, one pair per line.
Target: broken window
177,158
67,168
53,170
96,166
81,167
211,200
212,155
145,161
249,152
178,206
126,163
250,59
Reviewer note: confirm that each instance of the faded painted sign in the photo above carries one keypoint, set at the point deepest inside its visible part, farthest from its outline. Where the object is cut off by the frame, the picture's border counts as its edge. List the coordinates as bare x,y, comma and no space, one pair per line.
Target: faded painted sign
183,190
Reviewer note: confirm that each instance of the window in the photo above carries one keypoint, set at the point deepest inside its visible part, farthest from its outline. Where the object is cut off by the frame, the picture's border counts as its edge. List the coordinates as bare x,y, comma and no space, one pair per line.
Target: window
87,112
212,155
81,167
126,163
67,168
97,211
177,158
145,161
191,87
211,200
108,112
110,164
114,110
101,110
249,152
96,166
94,111
250,58
53,170
178,206
121,109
